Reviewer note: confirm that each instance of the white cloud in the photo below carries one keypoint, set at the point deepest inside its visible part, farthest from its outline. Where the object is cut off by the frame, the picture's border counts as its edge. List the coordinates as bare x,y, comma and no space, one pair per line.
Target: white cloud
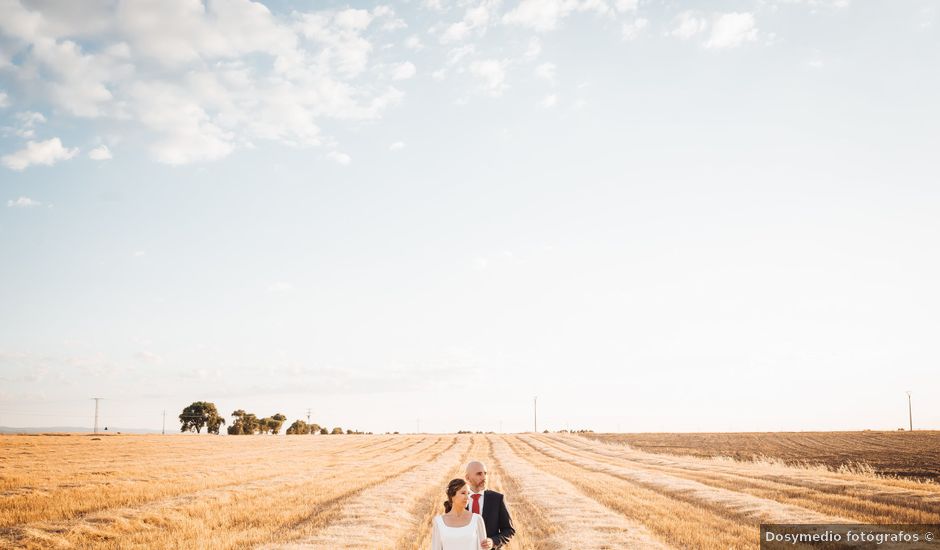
546,15
185,70
534,49
75,81
632,29
454,56
46,152
838,4
397,146
100,153
403,71
597,6
186,133
176,32
624,6
475,19
688,24
28,120
139,253
540,15
75,19
493,74
81,81
345,49
19,22
341,158
23,202
731,30
414,43
4,100
383,11
549,101
546,71
393,23
455,33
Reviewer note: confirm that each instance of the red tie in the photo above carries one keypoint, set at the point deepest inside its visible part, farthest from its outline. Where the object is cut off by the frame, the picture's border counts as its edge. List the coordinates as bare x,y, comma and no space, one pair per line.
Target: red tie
476,504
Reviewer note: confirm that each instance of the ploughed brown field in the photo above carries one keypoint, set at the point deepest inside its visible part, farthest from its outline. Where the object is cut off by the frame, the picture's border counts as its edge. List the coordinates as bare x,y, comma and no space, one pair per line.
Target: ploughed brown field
903,454
380,492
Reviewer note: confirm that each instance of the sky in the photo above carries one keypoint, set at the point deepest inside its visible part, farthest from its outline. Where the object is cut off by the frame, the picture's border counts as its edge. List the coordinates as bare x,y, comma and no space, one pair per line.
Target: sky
423,215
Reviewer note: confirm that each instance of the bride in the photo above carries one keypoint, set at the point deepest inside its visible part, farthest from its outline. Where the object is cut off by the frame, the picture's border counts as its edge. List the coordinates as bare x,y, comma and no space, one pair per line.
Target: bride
457,528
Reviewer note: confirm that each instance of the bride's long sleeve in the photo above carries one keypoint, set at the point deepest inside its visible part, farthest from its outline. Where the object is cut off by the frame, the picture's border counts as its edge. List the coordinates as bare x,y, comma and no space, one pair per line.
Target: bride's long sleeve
436,542
481,528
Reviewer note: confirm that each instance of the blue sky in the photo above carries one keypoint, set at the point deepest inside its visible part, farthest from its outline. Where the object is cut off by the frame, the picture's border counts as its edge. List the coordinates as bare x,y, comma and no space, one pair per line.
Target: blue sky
652,215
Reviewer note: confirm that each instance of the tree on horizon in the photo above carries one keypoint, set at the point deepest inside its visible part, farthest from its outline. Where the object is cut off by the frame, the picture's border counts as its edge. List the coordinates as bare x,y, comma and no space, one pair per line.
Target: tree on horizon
198,415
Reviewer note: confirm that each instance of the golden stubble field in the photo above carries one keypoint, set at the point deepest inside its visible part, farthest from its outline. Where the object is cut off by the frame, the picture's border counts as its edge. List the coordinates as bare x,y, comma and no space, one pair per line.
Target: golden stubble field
899,454
378,492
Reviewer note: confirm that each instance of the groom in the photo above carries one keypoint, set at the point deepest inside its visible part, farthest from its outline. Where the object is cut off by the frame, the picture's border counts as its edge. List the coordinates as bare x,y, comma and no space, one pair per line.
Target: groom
491,506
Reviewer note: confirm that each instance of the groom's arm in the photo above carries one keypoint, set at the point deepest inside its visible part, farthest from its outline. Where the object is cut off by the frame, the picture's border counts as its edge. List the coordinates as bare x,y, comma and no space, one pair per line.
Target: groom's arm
504,525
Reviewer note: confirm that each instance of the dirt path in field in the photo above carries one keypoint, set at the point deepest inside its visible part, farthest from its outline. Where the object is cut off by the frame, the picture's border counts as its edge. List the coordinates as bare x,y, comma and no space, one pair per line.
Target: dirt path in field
430,504
578,521
677,522
331,470
531,519
863,498
745,505
379,515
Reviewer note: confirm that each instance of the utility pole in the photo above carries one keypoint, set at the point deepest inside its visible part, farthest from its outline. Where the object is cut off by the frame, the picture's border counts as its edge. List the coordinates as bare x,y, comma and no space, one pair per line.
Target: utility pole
910,413
164,422
535,414
97,399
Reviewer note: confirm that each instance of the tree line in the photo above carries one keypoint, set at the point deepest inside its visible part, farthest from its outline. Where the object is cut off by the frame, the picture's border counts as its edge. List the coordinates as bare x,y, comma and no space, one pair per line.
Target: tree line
203,414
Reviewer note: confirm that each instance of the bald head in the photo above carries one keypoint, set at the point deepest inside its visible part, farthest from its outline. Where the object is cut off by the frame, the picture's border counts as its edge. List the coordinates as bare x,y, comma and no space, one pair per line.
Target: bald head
475,465
476,476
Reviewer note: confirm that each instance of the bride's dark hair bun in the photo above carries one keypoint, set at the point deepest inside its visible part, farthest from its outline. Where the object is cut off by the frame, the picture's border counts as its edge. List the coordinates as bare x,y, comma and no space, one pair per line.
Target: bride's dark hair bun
455,485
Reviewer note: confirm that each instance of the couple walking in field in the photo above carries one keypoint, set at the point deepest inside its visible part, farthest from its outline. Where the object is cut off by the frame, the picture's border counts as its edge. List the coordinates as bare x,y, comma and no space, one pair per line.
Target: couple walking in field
474,517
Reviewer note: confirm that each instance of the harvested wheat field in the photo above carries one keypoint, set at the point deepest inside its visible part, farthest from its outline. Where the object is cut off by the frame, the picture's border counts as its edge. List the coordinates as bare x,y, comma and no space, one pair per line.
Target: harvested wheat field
900,453
380,492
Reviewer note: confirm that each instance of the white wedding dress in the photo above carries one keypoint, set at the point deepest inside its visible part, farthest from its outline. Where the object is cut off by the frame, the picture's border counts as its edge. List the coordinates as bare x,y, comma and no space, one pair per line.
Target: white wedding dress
467,537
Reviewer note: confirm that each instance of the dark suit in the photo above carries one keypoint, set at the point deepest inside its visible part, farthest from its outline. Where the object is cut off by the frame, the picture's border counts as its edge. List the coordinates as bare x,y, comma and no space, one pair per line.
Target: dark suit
496,518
